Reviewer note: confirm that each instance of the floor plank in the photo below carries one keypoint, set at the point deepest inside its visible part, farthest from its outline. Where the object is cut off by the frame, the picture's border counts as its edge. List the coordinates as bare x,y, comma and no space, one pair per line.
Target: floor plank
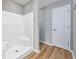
50,52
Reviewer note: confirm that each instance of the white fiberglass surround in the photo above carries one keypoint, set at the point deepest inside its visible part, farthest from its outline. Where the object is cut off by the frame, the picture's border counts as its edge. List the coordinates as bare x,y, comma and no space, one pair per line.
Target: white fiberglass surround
17,31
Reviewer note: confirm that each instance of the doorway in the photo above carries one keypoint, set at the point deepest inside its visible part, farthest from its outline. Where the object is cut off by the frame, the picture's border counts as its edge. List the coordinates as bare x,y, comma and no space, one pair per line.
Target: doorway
61,26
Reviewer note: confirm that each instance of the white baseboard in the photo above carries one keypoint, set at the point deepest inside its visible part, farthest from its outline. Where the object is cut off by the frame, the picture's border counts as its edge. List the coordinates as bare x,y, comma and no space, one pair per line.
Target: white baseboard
25,54
37,51
73,54
60,47
46,43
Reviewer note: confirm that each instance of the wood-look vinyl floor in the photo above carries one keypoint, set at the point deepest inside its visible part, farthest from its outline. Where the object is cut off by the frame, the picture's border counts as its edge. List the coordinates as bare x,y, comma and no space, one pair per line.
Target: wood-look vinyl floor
50,52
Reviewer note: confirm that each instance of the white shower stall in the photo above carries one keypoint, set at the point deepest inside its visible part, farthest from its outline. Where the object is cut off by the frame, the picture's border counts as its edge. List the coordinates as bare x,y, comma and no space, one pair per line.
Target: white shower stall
17,34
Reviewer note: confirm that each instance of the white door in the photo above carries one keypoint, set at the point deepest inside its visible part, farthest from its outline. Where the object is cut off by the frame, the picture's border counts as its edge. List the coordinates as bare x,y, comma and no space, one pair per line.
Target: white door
61,26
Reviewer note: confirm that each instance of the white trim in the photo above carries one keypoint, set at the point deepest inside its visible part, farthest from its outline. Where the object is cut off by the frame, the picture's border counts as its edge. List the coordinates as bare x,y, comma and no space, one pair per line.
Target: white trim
53,45
46,43
60,47
73,54
37,51
33,31
25,54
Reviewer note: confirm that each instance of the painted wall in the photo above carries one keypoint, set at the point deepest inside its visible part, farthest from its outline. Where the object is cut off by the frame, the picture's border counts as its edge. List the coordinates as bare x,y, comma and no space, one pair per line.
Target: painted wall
11,6
45,24
42,24
46,21
73,32
36,26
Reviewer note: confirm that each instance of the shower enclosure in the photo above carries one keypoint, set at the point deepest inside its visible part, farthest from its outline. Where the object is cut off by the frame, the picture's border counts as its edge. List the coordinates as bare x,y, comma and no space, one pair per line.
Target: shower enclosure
17,34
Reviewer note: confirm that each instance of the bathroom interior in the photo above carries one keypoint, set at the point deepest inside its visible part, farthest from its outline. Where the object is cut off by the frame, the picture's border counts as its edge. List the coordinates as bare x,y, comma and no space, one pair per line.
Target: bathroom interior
26,23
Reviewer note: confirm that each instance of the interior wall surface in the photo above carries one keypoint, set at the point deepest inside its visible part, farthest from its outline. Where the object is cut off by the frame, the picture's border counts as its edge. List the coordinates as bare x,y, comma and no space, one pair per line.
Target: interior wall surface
10,6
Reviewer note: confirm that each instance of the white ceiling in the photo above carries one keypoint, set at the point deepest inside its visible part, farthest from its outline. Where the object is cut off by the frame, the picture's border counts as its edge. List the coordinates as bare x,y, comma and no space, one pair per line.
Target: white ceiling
21,2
